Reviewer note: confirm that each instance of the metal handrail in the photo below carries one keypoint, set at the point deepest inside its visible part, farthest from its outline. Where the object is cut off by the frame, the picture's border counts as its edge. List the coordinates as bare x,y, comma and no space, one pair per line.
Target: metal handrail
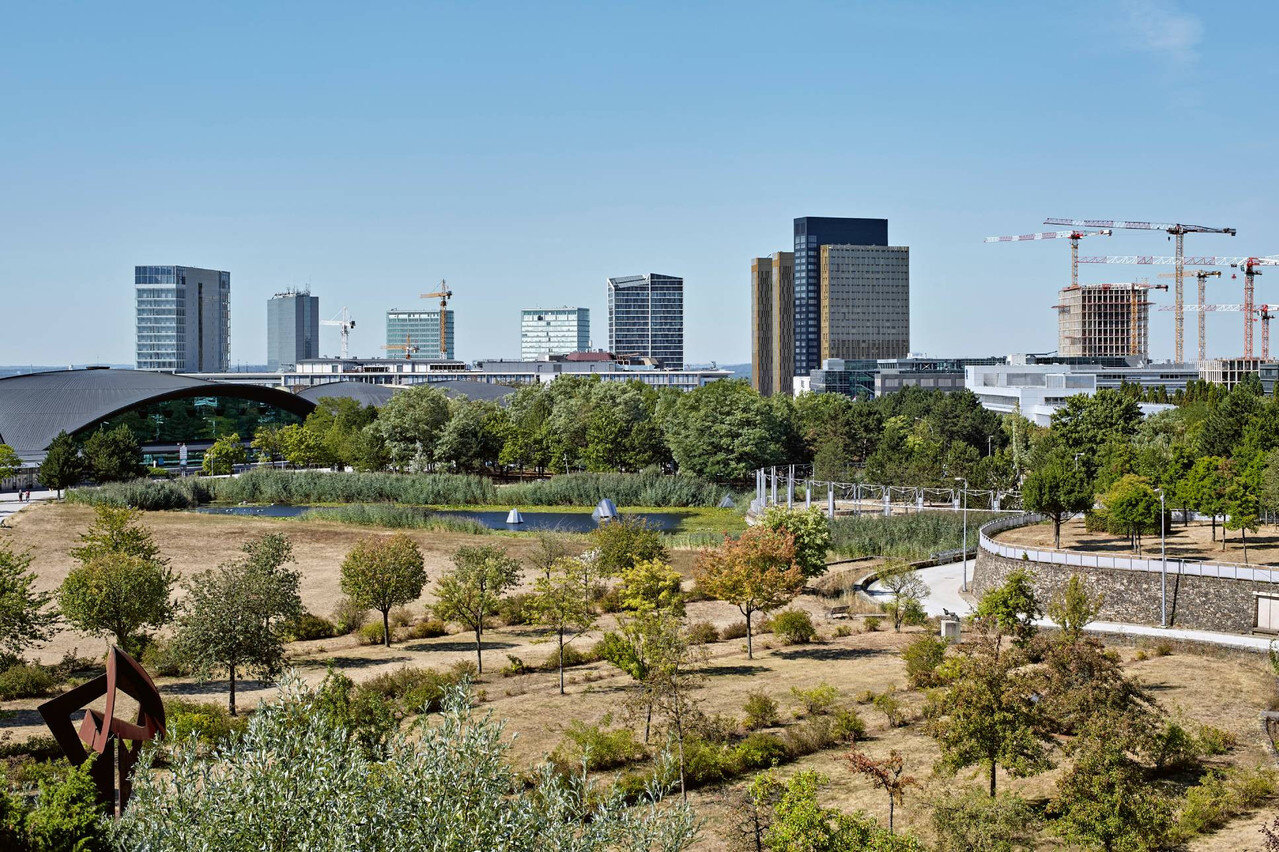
1080,559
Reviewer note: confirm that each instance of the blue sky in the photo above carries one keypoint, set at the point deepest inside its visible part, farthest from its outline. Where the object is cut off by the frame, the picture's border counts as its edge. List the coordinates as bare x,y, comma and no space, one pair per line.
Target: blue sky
527,151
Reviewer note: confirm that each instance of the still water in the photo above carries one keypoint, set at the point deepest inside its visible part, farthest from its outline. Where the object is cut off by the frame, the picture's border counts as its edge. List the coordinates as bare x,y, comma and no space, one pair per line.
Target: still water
496,520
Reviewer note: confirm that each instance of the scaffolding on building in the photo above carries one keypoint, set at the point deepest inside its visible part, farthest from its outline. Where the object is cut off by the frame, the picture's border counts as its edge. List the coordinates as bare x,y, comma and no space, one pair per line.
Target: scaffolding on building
1104,320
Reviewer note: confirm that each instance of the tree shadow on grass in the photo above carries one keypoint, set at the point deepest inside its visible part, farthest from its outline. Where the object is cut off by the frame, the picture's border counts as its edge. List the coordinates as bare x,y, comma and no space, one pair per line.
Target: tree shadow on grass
339,662
489,645
820,653
743,669
215,687
20,718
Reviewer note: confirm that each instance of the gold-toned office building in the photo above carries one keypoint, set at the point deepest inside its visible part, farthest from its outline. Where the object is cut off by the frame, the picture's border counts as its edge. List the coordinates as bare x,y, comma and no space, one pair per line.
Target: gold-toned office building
865,302
773,323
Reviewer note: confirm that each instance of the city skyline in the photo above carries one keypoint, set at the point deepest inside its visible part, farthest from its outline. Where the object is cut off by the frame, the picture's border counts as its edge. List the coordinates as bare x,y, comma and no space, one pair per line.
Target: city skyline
327,151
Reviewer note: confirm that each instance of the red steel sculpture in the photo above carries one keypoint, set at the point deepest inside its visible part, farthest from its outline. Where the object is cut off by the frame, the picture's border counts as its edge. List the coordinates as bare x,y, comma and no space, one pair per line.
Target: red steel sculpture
103,733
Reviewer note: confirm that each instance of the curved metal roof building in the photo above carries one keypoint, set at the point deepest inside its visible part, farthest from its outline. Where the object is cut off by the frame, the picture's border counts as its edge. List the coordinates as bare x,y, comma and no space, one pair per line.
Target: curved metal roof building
35,407
361,392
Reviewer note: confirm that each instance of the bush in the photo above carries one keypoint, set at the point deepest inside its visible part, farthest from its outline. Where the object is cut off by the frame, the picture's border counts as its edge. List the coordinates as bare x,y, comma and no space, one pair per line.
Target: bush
160,657
1174,747
794,627
892,709
348,616
872,623
811,735
1214,741
761,712
968,820
372,633
1219,797
210,724
413,690
40,747
26,681
913,614
601,747
702,633
707,762
922,657
842,631
816,701
759,751
427,628
847,726
67,814
735,630
572,657
517,609
515,666
309,626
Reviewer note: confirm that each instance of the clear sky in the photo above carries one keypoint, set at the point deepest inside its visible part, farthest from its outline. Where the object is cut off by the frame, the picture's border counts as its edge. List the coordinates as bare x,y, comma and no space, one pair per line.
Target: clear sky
527,151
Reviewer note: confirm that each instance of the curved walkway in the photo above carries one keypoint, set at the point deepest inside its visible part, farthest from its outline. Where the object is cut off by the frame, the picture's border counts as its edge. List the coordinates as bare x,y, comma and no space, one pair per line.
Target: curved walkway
9,504
944,593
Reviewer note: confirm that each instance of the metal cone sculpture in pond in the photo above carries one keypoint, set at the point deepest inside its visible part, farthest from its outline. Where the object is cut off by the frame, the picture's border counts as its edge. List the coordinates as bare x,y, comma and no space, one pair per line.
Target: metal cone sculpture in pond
114,740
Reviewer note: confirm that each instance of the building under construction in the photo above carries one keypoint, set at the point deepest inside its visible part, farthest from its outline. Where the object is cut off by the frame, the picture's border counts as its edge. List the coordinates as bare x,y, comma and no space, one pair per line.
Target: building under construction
1104,320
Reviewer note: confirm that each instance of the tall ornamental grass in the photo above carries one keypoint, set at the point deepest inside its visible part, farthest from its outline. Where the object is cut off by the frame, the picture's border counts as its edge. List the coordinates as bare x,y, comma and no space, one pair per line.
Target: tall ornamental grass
625,489
293,488
392,516
913,536
151,495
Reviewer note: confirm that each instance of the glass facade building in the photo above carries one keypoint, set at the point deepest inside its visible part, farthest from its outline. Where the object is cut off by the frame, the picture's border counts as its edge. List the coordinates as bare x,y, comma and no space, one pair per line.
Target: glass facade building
811,233
292,329
420,331
554,331
646,317
183,319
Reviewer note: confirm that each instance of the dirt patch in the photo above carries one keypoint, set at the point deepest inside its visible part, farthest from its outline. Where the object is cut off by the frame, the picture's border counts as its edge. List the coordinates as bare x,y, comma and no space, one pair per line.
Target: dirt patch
1184,542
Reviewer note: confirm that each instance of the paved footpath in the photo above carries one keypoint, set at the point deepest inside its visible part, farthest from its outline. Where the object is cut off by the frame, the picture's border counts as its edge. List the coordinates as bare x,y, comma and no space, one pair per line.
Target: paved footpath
9,501
944,593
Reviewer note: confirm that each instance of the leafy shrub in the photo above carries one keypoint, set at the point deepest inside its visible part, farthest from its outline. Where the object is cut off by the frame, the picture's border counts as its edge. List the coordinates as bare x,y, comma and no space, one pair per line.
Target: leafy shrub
761,712
573,656
794,627
1173,747
967,820
515,666
309,626
412,689
759,751
348,616
913,614
847,726
517,609
735,630
811,735
817,700
399,616
210,724
872,622
372,633
892,709
40,747
26,680
842,631
465,669
161,657
66,813
427,628
707,762
702,633
1219,797
1214,741
1163,648
601,746
367,716
922,657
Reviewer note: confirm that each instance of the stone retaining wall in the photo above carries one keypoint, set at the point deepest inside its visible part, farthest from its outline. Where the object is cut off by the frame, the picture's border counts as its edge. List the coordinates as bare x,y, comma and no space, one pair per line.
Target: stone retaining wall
1199,603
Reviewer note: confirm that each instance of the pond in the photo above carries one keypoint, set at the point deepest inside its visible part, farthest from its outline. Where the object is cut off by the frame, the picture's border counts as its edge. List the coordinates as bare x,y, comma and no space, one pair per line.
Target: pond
578,521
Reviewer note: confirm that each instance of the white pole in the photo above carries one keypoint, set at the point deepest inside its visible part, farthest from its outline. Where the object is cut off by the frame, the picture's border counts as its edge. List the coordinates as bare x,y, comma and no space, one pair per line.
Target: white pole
830,500
774,485
1163,570
965,568
808,493
790,490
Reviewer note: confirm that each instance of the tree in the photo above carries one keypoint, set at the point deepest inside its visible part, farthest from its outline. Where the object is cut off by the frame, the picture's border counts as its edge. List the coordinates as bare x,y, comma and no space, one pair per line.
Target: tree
381,573
633,648
990,714
622,542
801,824
114,455
1208,483
811,531
560,602
1072,608
1058,489
10,462
1085,423
25,615
649,585
900,579
472,590
725,430
1131,508
232,616
221,458
62,466
266,440
122,584
471,440
297,781
886,774
1243,508
1012,607
303,447
672,677
409,425
117,595
1081,680
756,573
1104,801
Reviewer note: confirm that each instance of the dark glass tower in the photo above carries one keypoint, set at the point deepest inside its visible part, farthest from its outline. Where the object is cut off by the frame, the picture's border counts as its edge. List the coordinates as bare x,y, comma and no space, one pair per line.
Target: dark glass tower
811,233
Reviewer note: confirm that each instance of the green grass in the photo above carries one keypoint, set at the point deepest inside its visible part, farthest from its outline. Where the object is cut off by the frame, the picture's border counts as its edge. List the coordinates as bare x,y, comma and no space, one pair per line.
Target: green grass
914,536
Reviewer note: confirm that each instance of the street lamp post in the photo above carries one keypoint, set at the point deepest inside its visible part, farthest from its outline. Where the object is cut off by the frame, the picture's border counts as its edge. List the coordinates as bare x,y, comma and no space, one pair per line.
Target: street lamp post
989,438
1163,571
964,570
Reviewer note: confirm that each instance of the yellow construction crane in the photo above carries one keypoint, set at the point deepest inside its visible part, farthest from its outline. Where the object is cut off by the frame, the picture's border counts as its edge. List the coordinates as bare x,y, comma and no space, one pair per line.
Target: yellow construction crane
407,347
443,294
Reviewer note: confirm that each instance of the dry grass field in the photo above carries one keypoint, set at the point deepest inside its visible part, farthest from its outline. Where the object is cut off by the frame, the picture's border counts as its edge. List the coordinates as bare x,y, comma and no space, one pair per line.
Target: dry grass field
1226,692
1184,542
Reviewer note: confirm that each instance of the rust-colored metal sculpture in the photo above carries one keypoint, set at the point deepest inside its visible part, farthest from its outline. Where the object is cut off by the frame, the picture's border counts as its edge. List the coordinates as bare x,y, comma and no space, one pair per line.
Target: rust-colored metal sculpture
103,733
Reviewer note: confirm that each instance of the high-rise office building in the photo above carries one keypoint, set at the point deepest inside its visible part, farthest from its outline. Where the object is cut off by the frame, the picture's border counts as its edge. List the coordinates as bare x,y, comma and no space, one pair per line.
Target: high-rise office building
554,331
416,334
183,320
773,323
1100,320
811,233
646,317
864,302
292,329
